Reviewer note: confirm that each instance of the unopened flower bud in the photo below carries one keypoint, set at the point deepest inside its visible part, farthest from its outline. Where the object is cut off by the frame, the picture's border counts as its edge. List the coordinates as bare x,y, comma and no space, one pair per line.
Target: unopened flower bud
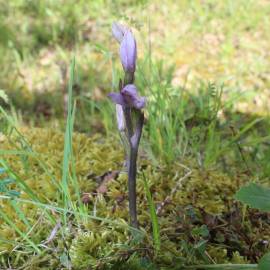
118,31
128,52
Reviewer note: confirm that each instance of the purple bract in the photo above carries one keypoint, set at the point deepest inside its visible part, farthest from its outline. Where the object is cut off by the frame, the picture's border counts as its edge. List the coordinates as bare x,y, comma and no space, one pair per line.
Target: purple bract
118,31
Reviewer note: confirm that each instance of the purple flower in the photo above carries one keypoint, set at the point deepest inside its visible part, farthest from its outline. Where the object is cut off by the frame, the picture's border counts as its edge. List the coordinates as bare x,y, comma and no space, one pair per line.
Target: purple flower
128,52
118,31
128,97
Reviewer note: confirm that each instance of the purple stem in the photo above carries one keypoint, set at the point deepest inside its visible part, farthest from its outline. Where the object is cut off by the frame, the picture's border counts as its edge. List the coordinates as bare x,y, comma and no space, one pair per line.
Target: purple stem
134,140
132,170
128,120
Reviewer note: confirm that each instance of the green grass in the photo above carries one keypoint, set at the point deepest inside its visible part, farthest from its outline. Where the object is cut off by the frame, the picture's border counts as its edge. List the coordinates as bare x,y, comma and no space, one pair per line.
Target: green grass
201,128
153,215
68,210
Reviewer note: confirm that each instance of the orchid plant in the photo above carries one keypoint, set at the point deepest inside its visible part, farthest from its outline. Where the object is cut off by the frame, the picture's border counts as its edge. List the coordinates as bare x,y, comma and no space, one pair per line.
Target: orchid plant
129,114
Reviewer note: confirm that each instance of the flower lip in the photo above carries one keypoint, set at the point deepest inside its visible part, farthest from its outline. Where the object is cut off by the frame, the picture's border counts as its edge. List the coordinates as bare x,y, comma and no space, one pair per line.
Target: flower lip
132,98
128,97
128,52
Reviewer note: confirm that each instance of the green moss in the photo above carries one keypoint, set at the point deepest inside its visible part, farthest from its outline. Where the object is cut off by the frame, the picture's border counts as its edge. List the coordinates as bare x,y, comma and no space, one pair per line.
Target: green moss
205,198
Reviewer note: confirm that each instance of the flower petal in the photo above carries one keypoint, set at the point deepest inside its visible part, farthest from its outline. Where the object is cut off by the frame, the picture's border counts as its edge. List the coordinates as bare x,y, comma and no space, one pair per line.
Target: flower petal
140,103
120,117
130,89
128,52
132,98
118,31
117,98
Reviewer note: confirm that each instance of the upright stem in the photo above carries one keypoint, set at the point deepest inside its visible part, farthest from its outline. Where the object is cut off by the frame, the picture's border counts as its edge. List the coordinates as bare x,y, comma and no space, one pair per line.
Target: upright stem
132,169
132,172
128,119
134,135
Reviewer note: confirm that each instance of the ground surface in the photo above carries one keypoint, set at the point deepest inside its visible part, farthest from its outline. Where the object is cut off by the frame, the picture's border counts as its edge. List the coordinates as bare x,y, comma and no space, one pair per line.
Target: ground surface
199,223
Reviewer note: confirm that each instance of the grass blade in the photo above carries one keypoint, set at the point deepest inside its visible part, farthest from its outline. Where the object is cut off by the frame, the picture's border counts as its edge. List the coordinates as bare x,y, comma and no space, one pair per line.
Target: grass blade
153,215
68,141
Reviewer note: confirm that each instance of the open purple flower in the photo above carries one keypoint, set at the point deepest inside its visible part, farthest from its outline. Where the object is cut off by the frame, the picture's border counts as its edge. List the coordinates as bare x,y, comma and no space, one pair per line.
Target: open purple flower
128,52
128,97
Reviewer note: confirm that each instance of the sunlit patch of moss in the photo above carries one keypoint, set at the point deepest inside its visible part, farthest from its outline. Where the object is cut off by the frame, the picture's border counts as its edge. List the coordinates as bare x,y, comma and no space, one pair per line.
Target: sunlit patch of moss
205,198
97,247
237,258
220,255
209,190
